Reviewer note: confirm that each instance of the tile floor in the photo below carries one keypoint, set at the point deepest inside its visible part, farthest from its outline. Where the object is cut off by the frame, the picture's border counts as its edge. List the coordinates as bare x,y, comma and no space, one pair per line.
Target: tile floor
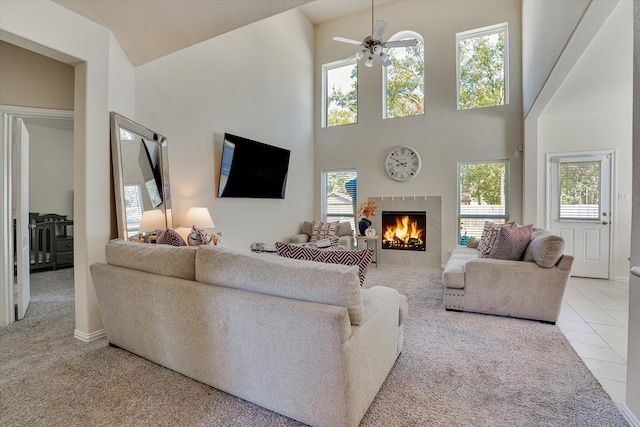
595,318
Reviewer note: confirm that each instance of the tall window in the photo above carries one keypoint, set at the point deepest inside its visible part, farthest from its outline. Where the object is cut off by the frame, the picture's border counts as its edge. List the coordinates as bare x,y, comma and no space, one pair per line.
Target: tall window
403,79
339,196
340,93
483,67
482,196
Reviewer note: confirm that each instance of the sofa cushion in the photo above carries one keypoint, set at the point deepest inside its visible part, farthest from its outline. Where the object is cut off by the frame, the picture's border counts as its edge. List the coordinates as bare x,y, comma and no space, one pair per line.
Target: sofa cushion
166,260
322,230
511,243
545,249
344,229
169,236
453,273
307,228
268,274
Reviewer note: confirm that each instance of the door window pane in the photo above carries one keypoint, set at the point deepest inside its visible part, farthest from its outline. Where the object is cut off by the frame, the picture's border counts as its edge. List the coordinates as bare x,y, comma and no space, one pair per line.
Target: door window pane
579,190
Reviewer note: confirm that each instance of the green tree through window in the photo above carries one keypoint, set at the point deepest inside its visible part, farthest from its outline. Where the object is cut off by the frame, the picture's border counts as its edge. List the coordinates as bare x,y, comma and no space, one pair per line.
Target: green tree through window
482,65
342,96
405,80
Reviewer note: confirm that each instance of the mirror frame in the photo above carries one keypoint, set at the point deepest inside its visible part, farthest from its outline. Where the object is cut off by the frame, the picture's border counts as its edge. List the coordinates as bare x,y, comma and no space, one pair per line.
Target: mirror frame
120,122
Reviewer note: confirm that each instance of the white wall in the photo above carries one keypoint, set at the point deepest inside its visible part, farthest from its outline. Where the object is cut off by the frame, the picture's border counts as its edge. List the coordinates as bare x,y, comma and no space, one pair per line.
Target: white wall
444,135
255,82
50,170
49,29
592,110
548,25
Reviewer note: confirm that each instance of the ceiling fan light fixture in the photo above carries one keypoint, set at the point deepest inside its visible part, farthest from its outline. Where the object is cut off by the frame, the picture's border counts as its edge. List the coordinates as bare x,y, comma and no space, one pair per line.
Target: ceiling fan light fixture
377,49
385,59
369,62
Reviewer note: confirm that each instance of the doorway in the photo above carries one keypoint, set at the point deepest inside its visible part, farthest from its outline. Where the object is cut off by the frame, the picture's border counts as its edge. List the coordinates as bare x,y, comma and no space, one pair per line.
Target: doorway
50,128
579,208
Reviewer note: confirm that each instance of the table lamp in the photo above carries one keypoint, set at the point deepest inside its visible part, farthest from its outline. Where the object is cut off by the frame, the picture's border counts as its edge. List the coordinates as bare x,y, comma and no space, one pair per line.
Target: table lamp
151,221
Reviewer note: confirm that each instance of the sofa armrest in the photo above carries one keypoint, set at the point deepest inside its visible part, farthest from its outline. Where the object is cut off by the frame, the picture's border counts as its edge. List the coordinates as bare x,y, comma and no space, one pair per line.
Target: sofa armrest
297,238
347,242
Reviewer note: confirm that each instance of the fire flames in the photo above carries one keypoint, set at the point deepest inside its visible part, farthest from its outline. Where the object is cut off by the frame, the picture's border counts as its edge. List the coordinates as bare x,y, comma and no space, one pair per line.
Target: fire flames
405,231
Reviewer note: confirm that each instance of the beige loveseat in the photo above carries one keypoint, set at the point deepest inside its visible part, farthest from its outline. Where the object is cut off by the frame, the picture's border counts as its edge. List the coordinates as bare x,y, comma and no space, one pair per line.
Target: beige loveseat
300,338
344,233
532,288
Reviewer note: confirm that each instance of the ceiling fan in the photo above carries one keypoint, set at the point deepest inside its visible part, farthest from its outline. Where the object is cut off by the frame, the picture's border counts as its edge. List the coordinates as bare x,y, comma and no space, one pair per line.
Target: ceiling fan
373,44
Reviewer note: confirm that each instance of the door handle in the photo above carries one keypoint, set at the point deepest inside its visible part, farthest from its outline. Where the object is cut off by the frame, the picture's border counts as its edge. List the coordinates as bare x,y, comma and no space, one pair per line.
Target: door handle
604,223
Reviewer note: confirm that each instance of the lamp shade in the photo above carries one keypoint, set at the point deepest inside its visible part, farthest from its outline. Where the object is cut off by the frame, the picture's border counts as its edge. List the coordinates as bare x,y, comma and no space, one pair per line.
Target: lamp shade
152,220
200,217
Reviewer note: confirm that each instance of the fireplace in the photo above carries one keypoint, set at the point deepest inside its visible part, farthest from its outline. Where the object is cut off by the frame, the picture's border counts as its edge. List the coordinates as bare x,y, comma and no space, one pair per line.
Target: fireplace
404,230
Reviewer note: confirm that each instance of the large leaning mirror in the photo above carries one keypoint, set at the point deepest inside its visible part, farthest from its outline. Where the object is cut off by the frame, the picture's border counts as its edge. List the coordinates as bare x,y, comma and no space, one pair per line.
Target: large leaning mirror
141,179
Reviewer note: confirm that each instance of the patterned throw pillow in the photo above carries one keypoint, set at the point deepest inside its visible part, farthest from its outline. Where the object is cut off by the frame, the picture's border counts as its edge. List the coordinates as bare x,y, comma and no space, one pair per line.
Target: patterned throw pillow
198,237
485,232
492,234
169,237
320,230
297,251
511,243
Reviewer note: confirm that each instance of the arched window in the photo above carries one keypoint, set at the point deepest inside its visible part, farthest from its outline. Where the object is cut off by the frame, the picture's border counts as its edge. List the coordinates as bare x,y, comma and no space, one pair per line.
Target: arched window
403,79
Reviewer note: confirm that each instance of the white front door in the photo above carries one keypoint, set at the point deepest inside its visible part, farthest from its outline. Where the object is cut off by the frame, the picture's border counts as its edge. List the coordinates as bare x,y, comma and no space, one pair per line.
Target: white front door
580,209
21,214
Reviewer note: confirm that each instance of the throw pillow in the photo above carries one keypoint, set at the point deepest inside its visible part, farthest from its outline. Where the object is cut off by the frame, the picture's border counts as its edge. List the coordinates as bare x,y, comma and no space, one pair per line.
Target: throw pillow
473,244
492,234
297,251
485,232
360,258
321,230
511,242
198,237
169,236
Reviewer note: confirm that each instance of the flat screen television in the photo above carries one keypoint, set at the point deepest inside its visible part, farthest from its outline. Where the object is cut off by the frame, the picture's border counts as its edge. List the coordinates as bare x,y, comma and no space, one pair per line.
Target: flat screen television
252,169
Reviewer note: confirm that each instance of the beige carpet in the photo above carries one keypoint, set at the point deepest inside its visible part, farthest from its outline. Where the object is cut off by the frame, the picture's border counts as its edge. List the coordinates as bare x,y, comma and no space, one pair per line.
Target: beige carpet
457,369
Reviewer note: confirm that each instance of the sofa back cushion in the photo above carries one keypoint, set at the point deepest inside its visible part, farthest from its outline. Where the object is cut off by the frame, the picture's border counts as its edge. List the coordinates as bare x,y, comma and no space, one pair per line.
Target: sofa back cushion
166,260
344,228
545,249
269,274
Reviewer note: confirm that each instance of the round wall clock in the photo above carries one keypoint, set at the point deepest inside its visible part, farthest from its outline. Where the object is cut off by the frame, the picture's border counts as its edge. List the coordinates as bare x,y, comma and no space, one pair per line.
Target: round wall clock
403,163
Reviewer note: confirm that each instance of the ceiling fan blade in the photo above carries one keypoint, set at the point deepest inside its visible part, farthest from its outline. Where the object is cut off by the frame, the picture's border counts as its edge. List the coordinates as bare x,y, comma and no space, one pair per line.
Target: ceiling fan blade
379,29
350,41
400,43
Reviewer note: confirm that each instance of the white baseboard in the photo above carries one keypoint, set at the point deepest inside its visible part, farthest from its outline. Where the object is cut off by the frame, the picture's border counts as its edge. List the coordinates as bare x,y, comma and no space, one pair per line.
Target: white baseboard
89,337
621,278
630,417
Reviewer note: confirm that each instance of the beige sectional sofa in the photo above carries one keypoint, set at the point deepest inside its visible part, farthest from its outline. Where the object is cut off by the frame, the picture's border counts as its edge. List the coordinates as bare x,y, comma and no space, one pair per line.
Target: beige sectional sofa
532,288
300,338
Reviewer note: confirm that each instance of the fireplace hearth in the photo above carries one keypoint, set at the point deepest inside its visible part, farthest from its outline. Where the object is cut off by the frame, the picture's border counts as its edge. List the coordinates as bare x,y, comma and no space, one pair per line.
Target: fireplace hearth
404,230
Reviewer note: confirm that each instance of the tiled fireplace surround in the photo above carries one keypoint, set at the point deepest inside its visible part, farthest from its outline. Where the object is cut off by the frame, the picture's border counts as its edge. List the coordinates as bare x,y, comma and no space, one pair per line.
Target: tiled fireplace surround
432,205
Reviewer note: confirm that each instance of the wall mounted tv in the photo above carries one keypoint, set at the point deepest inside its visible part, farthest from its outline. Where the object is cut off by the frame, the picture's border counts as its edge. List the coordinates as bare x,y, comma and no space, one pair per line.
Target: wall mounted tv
252,169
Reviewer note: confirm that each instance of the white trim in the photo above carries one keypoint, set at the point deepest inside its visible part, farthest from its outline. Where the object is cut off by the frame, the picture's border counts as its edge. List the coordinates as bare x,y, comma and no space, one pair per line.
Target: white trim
6,246
82,336
630,416
481,32
325,68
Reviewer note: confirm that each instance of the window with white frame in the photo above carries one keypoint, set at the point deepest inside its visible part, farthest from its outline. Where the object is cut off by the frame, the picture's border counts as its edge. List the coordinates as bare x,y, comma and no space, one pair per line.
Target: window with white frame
403,79
482,64
340,93
482,196
339,196
133,207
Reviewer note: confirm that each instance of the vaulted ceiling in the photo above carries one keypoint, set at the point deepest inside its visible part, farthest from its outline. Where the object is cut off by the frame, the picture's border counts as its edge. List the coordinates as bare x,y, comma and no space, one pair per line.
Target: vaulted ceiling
150,29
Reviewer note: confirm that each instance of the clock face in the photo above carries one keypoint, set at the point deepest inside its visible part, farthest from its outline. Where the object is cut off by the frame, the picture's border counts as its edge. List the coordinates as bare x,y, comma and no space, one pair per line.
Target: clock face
403,163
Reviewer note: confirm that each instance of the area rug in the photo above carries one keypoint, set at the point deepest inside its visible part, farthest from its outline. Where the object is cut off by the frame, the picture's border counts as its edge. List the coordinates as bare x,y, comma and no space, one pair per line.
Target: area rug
456,369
